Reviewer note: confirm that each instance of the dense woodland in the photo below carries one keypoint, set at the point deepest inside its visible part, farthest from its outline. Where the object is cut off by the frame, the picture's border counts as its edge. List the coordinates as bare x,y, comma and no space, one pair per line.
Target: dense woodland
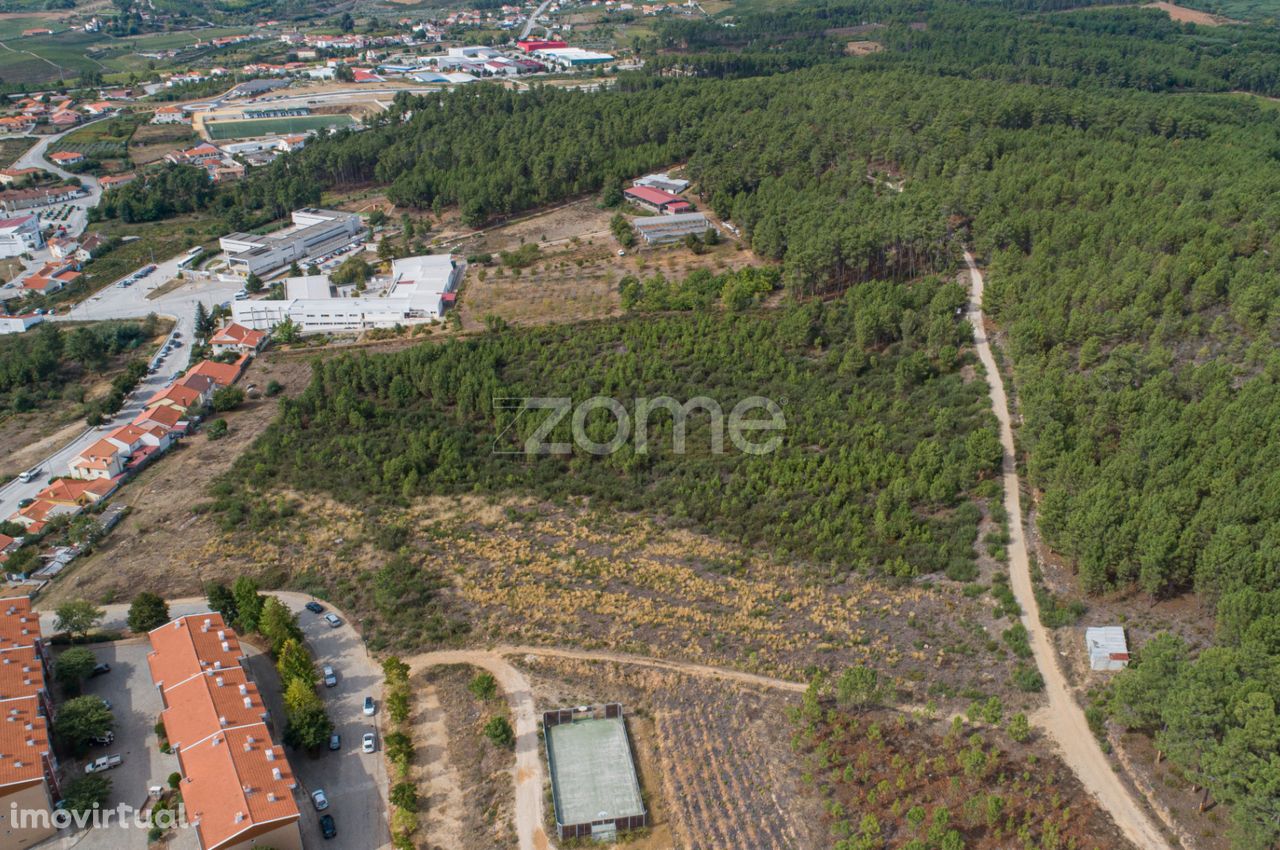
48,362
1125,200
883,437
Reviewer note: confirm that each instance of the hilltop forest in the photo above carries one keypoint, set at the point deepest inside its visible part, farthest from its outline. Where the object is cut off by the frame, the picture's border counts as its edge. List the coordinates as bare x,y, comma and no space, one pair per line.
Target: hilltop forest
1108,166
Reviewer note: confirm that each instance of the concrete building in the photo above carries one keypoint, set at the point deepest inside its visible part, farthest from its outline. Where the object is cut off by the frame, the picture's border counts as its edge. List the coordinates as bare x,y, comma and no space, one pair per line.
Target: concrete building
415,292
572,57
314,232
18,324
670,228
663,182
20,234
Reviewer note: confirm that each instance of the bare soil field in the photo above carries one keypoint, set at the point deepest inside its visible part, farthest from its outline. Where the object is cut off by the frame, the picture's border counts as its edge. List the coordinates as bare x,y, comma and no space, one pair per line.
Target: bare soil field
163,544
477,774
716,767
577,273
862,48
1183,15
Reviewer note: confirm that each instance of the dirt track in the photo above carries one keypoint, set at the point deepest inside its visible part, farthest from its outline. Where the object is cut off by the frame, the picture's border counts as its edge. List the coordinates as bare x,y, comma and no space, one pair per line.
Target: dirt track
1062,719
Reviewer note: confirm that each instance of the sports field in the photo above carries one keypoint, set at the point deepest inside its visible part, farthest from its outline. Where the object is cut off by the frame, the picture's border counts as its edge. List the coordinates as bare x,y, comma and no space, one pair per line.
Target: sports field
253,127
592,775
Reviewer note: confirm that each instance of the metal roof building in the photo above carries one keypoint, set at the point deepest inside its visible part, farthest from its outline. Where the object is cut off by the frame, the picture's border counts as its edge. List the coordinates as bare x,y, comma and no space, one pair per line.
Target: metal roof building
1107,648
671,228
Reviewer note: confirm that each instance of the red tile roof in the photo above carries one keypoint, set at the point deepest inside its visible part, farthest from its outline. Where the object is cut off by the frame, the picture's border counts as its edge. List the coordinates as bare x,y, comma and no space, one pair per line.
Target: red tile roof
651,195
164,414
24,741
235,781
77,490
21,673
19,625
183,397
208,703
222,374
237,334
190,645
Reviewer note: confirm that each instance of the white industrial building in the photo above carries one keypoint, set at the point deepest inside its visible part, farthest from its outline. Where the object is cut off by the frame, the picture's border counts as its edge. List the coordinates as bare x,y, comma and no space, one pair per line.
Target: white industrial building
414,293
662,181
314,233
19,235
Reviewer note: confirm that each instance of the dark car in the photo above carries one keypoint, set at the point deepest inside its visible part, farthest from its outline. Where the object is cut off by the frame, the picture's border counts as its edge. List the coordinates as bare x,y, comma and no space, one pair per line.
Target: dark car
100,669
315,607
335,741
327,829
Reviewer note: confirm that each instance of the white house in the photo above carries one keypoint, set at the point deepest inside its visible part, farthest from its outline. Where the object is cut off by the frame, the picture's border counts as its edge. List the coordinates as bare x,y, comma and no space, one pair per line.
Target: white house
20,234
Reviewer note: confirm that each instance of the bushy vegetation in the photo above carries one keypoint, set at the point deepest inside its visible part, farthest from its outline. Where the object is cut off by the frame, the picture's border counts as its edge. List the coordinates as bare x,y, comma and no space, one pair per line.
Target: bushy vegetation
46,363
882,442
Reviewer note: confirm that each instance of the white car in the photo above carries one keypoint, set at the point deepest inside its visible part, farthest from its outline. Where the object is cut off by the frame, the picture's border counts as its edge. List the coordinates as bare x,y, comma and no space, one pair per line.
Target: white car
368,743
333,620
368,706
28,476
319,799
330,678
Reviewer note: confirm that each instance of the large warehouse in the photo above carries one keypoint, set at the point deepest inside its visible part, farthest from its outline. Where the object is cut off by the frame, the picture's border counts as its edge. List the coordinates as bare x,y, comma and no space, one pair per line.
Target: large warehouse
415,293
671,228
313,234
594,786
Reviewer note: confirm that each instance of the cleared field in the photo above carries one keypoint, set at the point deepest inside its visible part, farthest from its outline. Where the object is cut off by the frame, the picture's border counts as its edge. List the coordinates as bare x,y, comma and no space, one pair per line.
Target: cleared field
249,128
11,149
1183,15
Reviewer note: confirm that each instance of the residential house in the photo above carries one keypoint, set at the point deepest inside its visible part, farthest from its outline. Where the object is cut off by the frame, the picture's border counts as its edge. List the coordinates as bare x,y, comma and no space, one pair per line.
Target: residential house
111,181
63,247
10,176
19,324
90,245
236,337
104,459
77,491
17,125
101,107
64,118
66,158
222,374
183,399
171,115
16,200
169,416
656,200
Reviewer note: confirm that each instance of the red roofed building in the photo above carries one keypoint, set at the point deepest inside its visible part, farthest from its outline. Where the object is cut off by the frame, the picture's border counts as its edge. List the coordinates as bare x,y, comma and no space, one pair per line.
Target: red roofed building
238,338
222,374
531,44
103,459
28,766
163,414
65,158
191,645
656,200
182,398
76,491
237,786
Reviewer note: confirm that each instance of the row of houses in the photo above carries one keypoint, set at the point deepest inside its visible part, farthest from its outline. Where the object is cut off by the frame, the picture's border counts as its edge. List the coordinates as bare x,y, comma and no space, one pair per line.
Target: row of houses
28,763
16,200
219,165
58,111
166,417
237,785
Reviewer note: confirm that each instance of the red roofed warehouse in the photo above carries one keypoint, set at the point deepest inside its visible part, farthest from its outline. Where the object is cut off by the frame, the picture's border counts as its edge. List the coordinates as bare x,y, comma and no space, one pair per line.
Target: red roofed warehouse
531,44
237,785
656,200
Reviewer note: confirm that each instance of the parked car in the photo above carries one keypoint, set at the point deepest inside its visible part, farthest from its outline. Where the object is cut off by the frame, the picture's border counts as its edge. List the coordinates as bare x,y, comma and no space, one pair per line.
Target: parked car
106,763
100,669
330,678
369,742
103,740
368,706
333,620
314,607
327,829
335,742
319,799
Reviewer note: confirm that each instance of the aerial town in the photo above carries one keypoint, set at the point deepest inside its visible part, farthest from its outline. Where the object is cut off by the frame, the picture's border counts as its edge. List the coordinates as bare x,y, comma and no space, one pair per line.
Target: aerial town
687,425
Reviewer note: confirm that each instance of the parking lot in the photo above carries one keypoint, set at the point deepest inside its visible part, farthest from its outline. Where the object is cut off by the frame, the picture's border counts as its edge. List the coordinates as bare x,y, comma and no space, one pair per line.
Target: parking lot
354,782
135,702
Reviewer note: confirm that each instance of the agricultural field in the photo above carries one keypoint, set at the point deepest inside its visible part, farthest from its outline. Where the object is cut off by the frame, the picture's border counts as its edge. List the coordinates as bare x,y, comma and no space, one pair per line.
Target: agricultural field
250,128
102,140
151,142
12,148
716,768
46,58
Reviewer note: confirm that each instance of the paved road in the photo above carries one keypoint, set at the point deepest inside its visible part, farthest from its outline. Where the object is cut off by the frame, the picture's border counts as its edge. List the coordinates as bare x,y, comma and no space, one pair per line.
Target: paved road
532,22
131,302
1063,720
354,782
34,158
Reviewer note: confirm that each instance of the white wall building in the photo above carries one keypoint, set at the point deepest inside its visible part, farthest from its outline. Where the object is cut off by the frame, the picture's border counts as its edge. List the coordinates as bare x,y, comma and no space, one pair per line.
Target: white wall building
18,324
313,234
1107,647
414,293
19,235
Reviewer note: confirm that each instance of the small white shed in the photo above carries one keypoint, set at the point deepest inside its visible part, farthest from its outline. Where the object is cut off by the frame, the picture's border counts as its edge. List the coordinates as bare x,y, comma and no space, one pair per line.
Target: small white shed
1107,648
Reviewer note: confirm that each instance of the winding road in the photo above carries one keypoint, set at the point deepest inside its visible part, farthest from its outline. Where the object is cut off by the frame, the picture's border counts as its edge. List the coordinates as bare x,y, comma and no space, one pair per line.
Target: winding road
1062,719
